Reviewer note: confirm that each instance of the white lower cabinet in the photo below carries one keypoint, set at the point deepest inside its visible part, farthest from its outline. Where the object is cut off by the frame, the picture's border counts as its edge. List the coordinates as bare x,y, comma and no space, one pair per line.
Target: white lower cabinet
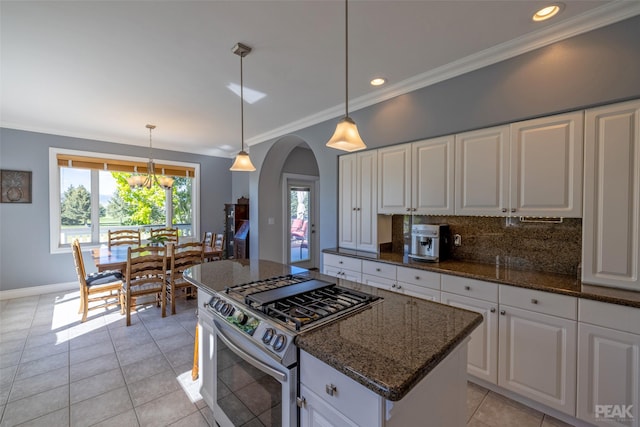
608,364
537,346
206,349
342,267
481,297
419,283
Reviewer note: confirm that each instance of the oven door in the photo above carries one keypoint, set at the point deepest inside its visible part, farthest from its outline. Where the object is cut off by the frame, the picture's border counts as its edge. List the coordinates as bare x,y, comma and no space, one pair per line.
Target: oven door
250,384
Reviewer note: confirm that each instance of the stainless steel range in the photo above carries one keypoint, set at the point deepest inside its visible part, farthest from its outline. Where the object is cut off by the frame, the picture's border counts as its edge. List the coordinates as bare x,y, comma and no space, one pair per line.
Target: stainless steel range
255,358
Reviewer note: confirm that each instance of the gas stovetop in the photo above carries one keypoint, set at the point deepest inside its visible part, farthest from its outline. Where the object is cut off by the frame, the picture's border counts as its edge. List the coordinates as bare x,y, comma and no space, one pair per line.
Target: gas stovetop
297,302
271,312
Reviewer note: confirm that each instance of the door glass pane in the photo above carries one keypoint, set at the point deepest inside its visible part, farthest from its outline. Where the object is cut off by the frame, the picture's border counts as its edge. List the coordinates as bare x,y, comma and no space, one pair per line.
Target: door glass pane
75,205
299,223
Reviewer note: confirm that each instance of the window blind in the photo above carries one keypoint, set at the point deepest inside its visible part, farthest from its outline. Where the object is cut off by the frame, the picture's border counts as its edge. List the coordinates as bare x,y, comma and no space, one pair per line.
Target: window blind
84,162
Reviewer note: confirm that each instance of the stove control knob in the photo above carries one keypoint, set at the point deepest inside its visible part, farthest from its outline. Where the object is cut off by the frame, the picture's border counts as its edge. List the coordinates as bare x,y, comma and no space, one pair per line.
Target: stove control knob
280,342
268,335
226,309
240,317
219,304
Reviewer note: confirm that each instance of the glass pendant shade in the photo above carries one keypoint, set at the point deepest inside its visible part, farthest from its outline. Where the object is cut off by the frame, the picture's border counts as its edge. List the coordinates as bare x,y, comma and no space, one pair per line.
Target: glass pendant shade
346,136
242,163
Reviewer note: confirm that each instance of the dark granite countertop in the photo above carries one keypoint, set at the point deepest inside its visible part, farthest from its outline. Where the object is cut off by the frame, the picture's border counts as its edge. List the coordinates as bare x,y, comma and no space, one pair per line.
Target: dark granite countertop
388,347
503,274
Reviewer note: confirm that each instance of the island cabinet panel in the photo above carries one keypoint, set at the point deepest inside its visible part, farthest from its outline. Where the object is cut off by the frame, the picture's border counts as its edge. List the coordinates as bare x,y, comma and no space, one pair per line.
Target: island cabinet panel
345,397
611,226
206,349
608,364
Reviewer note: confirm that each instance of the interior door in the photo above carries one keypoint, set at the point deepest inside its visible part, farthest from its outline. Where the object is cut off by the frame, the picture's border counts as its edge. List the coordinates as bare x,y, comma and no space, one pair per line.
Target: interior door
300,227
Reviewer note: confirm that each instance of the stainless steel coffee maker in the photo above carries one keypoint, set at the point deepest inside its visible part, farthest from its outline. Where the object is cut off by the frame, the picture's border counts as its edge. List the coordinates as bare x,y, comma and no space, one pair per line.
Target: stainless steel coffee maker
430,242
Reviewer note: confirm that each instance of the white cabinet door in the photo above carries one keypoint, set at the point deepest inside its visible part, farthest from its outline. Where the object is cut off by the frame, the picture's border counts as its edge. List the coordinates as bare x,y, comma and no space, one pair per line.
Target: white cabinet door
432,169
347,202
394,179
482,172
482,358
206,350
538,357
315,412
608,374
611,224
546,166
357,204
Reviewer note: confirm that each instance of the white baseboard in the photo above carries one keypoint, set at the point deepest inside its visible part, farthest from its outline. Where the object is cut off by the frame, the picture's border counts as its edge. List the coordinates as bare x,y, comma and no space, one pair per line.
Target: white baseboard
37,290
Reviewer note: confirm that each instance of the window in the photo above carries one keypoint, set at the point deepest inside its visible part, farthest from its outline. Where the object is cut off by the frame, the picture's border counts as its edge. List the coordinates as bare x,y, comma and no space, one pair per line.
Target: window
89,195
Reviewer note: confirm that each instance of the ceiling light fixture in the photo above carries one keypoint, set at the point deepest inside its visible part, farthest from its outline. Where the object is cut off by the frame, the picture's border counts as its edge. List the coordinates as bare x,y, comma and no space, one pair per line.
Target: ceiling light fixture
147,180
242,162
547,12
378,81
346,136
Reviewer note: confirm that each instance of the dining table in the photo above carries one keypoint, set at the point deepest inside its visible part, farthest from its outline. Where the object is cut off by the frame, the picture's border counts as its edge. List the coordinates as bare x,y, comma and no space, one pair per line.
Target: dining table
115,258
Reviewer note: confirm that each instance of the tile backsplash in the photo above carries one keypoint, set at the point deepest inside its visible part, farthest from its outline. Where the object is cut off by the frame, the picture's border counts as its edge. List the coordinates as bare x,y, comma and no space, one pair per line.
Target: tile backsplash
550,247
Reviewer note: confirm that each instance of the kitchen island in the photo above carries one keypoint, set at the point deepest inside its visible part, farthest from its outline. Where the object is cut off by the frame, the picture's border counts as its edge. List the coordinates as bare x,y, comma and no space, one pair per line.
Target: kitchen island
403,356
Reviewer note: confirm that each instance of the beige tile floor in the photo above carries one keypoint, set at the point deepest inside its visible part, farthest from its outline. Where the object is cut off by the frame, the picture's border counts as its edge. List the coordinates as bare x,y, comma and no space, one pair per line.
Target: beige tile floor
56,371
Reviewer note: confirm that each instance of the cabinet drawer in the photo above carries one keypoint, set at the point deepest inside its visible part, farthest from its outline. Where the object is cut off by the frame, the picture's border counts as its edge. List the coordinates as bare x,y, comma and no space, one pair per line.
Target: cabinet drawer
613,316
419,291
349,397
388,271
380,282
427,279
343,262
539,301
470,287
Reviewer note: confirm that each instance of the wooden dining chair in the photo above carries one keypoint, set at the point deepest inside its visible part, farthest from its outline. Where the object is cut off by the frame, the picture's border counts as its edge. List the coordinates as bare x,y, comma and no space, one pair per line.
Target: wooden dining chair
145,275
104,287
123,237
167,234
182,257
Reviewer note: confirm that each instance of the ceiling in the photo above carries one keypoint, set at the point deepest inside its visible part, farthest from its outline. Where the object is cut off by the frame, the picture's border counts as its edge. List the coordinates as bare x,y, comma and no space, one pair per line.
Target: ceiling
104,69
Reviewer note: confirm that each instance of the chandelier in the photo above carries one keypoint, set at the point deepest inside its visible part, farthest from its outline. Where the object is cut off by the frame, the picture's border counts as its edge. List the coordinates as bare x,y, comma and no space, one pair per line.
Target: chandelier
146,180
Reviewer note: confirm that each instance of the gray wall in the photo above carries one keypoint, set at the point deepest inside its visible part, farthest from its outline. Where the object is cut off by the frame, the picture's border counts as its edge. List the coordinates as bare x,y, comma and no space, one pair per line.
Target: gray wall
595,68
24,228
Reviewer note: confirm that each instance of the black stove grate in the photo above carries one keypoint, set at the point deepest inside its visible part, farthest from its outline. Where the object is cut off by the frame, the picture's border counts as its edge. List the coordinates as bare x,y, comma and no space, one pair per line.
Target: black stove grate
297,301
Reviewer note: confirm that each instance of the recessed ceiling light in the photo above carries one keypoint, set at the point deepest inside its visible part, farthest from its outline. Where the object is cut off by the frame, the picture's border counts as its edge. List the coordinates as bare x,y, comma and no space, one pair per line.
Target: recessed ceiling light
547,12
378,81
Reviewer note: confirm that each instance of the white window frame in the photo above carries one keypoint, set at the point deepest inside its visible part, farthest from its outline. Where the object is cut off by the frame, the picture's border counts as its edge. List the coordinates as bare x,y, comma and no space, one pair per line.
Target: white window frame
54,193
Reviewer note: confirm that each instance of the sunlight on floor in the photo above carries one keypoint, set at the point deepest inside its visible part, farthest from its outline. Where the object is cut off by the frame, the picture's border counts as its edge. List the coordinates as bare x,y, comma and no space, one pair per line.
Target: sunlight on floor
190,387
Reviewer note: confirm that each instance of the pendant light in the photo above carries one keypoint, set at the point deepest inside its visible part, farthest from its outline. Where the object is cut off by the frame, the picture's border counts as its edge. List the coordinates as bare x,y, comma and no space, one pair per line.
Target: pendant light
242,162
346,136
136,181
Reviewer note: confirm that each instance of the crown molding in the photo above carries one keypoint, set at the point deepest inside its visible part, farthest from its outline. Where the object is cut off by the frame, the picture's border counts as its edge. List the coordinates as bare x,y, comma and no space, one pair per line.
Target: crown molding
607,14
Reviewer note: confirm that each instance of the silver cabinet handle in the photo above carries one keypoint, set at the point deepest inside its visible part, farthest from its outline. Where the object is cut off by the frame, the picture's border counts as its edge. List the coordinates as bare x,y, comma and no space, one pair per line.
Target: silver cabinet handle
513,209
534,301
493,309
301,402
330,389
398,286
377,269
504,209
340,262
408,209
467,288
503,312
417,277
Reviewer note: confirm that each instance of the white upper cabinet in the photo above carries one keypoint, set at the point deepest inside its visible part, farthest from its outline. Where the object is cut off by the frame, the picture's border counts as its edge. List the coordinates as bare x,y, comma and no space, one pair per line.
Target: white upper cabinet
482,172
611,236
417,178
432,163
529,168
546,166
394,179
358,227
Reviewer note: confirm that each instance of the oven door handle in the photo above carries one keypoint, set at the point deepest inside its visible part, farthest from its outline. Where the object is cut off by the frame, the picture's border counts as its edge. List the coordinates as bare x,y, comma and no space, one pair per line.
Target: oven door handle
282,377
